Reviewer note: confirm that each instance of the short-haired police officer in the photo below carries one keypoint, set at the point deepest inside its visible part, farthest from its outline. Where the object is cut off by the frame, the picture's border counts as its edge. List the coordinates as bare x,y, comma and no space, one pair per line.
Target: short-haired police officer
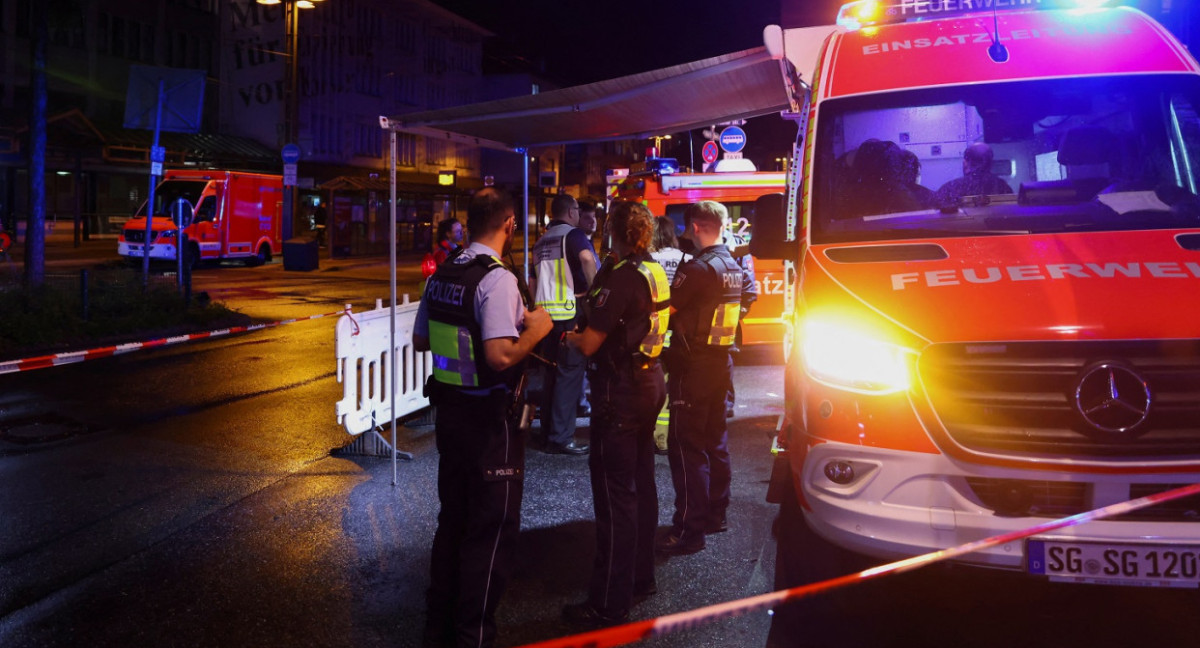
473,320
705,304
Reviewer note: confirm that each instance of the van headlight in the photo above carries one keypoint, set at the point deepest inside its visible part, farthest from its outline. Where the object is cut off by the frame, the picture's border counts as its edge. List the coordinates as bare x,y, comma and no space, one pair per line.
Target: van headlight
846,358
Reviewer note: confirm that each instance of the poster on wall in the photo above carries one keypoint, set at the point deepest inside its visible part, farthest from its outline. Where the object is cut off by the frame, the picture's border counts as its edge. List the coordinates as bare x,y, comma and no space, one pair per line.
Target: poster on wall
253,69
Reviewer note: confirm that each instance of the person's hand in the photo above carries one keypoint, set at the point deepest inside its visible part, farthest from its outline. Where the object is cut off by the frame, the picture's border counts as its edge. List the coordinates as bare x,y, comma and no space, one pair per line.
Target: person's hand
538,322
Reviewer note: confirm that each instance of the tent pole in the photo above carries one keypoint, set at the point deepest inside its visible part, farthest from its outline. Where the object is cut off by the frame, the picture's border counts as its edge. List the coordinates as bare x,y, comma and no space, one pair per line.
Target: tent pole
392,315
525,227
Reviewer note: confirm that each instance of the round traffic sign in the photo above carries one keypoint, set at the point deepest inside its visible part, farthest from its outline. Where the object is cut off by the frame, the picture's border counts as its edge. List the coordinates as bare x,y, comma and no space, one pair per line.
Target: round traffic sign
709,152
733,139
290,153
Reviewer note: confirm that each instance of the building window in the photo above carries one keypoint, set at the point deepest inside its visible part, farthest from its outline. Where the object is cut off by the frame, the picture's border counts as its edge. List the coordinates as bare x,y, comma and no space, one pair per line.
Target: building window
406,36
435,152
408,91
436,96
406,150
368,141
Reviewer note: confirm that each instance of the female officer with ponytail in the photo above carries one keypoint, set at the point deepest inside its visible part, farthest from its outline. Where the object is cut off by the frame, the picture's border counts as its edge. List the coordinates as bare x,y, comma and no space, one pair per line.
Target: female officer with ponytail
627,311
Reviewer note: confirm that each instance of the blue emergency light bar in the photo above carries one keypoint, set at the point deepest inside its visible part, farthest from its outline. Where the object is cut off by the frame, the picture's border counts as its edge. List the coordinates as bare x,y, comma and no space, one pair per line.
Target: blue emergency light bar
662,166
867,13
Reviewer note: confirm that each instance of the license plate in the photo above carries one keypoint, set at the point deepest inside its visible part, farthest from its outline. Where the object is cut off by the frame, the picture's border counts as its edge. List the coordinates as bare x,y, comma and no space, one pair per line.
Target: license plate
1139,565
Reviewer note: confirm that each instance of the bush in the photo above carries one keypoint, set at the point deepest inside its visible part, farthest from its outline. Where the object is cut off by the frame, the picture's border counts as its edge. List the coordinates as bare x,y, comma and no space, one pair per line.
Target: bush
50,318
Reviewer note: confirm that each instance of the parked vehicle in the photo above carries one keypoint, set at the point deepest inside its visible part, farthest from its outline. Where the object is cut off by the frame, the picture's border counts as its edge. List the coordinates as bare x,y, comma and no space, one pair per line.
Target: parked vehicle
227,215
670,194
971,363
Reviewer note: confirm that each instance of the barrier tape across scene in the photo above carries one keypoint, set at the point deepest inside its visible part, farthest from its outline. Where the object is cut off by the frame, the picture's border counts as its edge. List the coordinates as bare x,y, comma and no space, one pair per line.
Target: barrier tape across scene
71,357
672,623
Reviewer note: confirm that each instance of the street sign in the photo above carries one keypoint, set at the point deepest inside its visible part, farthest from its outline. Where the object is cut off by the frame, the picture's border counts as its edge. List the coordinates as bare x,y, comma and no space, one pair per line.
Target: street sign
156,168
733,139
709,152
289,175
290,154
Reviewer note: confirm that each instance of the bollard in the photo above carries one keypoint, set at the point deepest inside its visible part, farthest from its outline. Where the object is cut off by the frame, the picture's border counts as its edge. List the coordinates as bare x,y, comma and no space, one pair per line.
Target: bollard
187,284
83,294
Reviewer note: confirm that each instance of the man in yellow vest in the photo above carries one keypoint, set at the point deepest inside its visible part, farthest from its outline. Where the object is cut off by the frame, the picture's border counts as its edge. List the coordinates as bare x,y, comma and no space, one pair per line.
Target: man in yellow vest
564,265
706,299
472,318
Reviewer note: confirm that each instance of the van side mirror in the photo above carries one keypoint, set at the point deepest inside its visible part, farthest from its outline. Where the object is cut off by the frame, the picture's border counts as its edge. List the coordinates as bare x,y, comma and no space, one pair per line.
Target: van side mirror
770,229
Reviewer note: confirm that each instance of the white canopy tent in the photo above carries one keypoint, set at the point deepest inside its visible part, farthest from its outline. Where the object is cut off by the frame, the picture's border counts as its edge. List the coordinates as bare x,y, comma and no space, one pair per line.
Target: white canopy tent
739,85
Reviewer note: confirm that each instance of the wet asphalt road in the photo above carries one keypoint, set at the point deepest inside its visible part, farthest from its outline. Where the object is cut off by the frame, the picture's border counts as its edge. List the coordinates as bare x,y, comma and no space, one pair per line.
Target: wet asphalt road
175,536
203,506
201,503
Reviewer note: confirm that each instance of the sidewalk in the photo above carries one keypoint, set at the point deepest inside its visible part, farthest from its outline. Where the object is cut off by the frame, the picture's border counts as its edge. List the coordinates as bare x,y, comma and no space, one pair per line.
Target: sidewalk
63,255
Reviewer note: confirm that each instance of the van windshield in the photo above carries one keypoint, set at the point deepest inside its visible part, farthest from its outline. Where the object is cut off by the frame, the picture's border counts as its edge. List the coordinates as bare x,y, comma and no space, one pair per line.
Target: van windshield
741,218
168,191
1061,155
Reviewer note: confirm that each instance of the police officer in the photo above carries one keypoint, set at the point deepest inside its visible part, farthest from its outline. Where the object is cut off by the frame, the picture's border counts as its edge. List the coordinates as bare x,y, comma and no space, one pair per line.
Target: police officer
627,317
472,318
706,298
565,265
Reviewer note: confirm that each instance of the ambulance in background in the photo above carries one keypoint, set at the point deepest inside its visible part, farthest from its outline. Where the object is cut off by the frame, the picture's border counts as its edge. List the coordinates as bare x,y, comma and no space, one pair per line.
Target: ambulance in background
228,215
972,364
669,194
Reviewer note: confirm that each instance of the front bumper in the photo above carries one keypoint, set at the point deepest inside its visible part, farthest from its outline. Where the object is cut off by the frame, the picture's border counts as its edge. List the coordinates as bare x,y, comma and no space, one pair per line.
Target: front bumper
900,504
158,251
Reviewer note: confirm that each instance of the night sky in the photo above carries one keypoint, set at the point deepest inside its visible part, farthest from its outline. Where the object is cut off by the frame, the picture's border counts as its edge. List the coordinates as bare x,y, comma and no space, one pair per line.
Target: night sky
581,42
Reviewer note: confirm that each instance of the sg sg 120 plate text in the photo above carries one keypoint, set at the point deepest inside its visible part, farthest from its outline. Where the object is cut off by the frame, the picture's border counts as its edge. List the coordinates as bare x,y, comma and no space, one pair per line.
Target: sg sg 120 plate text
1139,565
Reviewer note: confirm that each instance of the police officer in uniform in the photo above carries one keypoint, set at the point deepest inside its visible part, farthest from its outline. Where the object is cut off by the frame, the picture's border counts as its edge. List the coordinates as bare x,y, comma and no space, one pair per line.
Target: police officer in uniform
565,266
706,299
627,317
473,320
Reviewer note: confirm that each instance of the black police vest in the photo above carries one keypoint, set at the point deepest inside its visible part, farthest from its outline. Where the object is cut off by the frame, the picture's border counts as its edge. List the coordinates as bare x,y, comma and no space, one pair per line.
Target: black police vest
456,337
713,323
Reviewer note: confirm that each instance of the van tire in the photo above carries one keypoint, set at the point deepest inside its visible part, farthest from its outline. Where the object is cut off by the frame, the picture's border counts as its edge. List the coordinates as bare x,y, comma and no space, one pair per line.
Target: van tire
262,256
803,557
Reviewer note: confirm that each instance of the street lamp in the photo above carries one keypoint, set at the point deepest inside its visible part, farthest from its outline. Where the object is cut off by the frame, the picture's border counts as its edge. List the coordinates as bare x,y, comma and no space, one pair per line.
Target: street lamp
658,139
291,96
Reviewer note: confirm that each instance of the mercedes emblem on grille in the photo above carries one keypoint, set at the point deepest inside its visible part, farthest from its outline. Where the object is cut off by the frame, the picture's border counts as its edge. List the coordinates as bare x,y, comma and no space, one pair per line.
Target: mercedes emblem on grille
1113,398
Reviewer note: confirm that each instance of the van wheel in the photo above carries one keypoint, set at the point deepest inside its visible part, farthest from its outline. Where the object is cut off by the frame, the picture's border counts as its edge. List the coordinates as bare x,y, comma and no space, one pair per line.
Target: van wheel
263,256
803,557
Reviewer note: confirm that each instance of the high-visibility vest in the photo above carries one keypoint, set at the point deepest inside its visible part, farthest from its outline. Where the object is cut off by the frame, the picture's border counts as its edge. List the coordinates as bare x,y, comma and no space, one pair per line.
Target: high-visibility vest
555,285
455,337
651,344
716,316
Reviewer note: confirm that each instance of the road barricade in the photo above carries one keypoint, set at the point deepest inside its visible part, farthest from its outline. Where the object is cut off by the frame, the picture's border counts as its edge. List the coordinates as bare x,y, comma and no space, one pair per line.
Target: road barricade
364,369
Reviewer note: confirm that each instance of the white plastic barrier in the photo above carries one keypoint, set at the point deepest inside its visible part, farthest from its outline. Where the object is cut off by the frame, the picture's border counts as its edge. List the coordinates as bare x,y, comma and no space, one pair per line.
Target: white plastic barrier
363,367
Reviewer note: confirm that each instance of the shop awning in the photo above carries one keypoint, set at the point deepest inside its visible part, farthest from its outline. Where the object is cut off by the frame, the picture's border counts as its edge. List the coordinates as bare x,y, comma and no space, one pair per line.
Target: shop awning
739,85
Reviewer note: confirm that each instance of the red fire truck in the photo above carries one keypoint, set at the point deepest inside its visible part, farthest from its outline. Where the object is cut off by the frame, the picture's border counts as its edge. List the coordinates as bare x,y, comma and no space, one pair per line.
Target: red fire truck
1007,331
227,215
670,194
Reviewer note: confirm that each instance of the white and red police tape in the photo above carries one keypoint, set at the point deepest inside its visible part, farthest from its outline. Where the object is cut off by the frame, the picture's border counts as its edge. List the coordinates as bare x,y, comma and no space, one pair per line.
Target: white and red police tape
664,625
71,357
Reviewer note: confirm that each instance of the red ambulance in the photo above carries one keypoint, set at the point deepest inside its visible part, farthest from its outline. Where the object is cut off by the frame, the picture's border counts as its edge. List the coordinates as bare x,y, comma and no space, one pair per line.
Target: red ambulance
670,194
1008,330
228,215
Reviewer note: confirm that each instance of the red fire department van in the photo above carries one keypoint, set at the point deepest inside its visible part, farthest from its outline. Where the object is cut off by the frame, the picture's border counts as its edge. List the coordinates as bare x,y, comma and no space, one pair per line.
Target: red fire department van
229,215
1007,331
670,194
